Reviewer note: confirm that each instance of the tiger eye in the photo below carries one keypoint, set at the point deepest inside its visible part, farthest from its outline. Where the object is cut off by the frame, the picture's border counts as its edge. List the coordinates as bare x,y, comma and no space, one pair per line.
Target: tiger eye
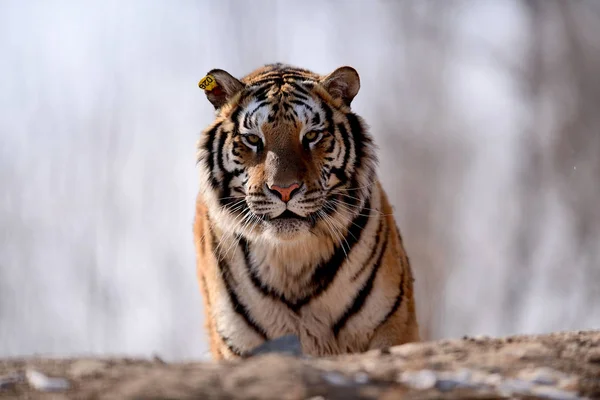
253,139
310,136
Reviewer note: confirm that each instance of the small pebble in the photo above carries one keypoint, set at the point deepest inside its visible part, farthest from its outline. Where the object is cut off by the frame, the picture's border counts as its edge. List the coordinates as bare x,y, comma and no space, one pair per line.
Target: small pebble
424,379
450,380
335,378
548,392
43,383
493,379
463,375
445,385
288,344
361,378
515,386
7,381
541,376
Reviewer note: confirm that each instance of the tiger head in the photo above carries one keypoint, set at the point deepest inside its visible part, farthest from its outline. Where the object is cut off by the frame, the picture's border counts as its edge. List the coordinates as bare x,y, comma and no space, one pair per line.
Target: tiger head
285,155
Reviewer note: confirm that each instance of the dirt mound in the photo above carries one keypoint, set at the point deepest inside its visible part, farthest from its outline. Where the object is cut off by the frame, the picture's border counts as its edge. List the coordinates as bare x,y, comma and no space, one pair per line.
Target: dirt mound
555,366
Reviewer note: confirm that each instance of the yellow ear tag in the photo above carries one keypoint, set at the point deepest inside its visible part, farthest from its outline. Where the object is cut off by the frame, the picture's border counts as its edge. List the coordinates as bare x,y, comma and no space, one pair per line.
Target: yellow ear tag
207,83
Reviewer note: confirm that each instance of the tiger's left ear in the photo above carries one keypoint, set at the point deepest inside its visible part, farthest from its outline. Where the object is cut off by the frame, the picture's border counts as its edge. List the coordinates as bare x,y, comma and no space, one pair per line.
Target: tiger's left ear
220,87
342,83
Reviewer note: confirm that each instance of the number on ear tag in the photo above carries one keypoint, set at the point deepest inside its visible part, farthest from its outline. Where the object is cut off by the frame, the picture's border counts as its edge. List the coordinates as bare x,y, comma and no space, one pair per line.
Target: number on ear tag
207,83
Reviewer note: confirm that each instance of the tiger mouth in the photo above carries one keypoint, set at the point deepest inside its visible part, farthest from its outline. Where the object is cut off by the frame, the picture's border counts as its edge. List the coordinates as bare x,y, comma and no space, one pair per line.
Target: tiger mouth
288,215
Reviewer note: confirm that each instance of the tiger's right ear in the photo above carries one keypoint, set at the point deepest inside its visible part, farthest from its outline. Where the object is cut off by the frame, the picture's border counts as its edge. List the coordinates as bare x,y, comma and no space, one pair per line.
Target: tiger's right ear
220,87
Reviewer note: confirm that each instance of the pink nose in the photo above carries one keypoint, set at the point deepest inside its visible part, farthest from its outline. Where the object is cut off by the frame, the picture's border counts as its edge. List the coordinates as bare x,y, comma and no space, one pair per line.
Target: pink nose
285,193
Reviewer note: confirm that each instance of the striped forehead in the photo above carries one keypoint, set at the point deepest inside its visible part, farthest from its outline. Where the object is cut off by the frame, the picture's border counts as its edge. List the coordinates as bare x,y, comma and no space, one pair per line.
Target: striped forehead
304,110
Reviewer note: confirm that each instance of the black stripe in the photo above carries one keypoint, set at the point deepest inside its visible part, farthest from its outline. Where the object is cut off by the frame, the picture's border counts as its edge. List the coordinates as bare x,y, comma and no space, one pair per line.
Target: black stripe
360,139
311,191
235,118
224,198
235,151
328,115
261,286
262,203
280,78
273,112
396,304
316,119
363,294
260,93
257,194
247,123
399,297
339,151
286,106
326,272
225,176
331,147
300,96
229,344
373,250
342,172
338,172
347,143
296,77
271,81
282,74
238,307
341,178
210,161
258,107
220,145
299,88
309,199
302,103
267,75
361,142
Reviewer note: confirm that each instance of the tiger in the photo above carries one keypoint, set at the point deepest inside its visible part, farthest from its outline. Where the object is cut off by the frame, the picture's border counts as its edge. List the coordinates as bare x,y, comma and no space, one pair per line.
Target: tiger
294,234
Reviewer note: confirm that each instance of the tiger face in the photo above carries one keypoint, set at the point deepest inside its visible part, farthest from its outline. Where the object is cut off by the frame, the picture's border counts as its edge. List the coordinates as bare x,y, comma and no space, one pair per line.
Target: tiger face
285,156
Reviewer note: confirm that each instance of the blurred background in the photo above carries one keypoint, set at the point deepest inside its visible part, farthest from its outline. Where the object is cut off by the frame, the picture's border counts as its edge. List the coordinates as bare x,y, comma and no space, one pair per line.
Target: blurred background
487,114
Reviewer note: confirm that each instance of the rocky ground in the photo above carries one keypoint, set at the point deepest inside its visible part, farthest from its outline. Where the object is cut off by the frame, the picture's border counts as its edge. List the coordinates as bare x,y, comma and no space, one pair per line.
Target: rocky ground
555,366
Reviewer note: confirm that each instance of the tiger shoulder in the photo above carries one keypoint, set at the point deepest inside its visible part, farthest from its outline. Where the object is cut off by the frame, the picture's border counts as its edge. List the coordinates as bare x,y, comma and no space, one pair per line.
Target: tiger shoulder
294,233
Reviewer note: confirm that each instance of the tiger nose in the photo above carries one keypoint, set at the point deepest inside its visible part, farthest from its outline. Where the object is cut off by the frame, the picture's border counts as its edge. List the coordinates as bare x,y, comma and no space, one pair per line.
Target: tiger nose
285,193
